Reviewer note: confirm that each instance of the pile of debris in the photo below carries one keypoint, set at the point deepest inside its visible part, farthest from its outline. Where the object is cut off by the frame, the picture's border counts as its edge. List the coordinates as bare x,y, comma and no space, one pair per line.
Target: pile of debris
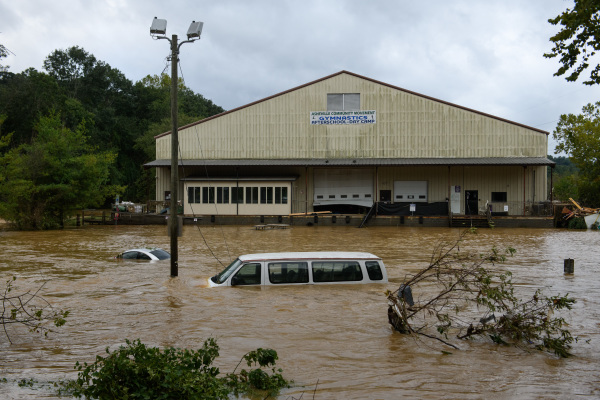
590,215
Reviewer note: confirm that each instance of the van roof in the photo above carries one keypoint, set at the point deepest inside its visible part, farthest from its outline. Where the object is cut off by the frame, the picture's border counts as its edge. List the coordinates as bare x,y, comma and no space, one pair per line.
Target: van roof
309,255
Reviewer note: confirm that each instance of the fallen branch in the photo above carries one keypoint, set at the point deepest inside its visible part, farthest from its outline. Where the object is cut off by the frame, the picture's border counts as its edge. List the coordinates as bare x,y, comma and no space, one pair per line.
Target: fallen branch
471,298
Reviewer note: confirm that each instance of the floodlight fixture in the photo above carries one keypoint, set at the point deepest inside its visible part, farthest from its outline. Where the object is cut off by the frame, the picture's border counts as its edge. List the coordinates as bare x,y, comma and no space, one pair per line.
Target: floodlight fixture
195,30
159,27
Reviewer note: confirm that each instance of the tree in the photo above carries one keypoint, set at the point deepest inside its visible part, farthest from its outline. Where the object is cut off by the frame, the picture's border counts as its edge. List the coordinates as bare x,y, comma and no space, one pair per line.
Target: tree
28,309
43,182
3,54
565,178
579,137
578,40
466,296
26,96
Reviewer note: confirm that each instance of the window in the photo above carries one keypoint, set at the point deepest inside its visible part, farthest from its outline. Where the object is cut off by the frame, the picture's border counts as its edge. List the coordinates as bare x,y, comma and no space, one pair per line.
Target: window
374,270
266,195
281,195
249,274
208,195
499,197
343,102
193,195
237,195
252,195
288,272
223,195
336,271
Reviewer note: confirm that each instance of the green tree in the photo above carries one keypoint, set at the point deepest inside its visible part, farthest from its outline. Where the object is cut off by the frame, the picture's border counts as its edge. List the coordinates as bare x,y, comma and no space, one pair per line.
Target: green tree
577,41
564,181
579,137
24,98
3,54
43,182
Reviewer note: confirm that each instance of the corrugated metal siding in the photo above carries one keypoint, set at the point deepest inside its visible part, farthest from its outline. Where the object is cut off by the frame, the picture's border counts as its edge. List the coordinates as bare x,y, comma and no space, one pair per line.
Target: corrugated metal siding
408,126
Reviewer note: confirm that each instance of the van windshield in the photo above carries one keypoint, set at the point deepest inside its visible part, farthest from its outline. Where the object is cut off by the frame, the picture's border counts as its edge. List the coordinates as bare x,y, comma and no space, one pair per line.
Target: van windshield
222,277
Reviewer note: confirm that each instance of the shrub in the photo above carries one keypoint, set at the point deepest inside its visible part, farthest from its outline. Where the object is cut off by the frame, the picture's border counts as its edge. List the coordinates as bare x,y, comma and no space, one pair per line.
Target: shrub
138,371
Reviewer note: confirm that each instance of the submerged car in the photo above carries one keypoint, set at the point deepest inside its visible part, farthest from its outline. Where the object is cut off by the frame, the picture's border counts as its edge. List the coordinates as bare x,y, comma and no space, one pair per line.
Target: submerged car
152,254
308,268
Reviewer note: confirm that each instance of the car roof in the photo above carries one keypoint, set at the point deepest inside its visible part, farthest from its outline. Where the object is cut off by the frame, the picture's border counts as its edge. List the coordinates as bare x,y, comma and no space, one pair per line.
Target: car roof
309,255
143,249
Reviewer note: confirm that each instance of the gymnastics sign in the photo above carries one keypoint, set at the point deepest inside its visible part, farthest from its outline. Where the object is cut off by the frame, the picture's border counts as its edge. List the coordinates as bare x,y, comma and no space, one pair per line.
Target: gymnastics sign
342,117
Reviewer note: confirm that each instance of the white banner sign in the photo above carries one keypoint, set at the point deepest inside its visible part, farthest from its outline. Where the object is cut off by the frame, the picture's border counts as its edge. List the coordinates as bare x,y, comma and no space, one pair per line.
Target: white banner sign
342,117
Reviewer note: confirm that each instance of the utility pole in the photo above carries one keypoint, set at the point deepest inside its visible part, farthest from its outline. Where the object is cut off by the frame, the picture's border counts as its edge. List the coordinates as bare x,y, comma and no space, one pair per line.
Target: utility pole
159,27
174,218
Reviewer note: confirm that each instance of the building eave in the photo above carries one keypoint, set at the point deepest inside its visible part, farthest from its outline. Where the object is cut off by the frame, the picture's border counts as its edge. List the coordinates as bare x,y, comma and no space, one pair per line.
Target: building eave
364,162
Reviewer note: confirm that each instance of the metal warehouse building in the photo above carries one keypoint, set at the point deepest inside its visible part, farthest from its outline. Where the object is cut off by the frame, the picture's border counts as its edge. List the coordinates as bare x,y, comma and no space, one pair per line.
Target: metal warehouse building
344,143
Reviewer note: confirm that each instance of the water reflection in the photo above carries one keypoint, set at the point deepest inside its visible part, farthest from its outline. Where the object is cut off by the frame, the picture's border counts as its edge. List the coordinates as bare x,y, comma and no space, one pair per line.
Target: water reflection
337,336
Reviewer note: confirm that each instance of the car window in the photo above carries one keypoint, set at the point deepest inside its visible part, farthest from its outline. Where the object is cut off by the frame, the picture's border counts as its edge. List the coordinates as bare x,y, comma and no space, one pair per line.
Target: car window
336,271
143,256
249,274
288,272
160,254
130,255
374,271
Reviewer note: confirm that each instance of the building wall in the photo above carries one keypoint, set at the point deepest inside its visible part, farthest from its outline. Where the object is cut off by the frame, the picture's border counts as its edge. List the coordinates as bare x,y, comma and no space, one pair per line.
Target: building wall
523,186
407,126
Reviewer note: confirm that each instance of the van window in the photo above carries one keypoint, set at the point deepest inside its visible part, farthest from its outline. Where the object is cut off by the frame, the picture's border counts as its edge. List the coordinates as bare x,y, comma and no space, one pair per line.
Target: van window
336,271
249,274
374,270
288,272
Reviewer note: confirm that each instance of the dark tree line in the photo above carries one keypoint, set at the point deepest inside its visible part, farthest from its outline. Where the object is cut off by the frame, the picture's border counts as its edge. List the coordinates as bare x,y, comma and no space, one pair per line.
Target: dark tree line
120,117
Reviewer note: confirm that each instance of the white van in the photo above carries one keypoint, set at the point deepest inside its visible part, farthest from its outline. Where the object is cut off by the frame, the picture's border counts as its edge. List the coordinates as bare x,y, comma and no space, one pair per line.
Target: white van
302,268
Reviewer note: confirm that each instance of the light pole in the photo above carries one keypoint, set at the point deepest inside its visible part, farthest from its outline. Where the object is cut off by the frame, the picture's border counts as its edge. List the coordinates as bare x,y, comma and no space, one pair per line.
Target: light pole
159,27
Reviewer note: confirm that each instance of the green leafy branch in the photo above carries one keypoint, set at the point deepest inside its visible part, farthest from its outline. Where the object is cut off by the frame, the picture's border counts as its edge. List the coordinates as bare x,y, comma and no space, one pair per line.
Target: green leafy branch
472,299
139,371
28,309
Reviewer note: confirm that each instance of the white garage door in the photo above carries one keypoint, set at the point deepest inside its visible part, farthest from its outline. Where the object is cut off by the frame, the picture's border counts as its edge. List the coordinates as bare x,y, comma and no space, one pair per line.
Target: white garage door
410,191
344,186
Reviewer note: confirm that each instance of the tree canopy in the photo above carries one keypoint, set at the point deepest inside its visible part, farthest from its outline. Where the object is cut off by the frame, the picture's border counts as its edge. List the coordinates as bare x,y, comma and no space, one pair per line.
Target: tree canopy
121,117
577,41
579,137
58,172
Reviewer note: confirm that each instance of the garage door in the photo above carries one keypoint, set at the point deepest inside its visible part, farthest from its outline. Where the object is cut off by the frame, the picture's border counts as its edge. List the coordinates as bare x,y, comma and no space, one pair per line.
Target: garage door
344,186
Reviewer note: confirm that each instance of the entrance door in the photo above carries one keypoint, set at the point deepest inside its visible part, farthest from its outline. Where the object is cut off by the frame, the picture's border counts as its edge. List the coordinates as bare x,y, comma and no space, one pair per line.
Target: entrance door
385,195
471,202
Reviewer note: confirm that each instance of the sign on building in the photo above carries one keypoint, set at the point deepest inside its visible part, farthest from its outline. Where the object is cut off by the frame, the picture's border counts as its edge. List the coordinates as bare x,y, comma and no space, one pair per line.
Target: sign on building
342,117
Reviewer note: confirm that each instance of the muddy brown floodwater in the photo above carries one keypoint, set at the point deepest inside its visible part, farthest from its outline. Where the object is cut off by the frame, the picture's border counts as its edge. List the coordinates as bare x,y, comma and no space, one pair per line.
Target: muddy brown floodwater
334,338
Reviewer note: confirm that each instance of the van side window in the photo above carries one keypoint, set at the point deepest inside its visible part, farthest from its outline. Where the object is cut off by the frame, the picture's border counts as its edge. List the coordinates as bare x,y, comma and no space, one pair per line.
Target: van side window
288,272
374,270
249,274
336,271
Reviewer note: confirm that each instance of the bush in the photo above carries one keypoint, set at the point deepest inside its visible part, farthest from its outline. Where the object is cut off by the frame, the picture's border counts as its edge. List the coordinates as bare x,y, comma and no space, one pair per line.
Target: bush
577,223
137,371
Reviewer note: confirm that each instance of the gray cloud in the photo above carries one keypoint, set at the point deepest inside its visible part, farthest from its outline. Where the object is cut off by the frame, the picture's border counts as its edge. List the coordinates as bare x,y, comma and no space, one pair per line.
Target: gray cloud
482,55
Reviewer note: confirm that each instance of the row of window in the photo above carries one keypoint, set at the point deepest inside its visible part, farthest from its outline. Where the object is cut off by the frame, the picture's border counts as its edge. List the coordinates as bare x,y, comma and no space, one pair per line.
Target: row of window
297,272
343,196
238,195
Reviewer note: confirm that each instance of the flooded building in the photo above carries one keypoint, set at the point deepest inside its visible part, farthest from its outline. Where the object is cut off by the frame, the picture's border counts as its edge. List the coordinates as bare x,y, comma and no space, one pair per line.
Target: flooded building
345,143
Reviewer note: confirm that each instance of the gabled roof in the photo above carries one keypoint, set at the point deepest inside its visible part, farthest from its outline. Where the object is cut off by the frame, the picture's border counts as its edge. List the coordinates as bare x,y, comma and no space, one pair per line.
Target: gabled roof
361,77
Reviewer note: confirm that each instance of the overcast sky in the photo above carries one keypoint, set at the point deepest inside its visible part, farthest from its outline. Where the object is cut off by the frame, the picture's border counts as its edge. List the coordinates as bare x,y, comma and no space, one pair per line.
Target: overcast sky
485,55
